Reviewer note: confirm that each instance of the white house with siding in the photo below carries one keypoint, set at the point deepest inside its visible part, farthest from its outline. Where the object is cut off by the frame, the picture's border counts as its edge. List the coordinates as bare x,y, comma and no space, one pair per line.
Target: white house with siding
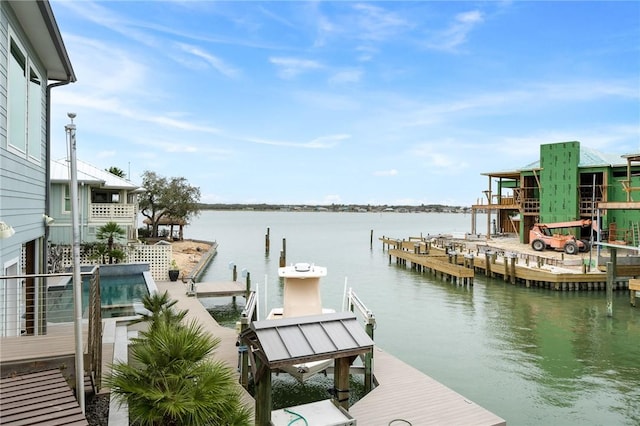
33,61
103,197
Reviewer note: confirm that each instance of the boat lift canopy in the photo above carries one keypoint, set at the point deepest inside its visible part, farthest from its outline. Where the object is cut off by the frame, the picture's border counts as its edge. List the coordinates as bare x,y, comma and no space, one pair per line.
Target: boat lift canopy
289,341
276,343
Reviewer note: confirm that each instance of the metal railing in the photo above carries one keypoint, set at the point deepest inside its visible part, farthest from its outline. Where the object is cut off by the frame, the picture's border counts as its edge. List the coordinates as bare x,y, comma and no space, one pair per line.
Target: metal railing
42,304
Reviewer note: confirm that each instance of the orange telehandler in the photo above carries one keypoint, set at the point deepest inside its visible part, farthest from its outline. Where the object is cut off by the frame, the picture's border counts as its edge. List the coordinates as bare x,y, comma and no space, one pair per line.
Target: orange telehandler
542,237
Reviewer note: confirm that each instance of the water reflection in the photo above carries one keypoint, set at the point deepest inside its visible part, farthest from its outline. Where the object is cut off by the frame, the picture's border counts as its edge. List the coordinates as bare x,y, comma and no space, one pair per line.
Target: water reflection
564,343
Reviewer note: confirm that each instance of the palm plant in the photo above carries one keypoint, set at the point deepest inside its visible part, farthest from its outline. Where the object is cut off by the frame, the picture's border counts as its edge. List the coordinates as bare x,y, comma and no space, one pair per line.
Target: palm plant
171,379
159,308
110,232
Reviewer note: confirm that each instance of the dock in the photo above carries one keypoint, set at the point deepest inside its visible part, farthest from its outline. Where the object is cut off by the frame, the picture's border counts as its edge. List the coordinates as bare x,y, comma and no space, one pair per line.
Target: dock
220,289
454,263
409,396
401,392
446,267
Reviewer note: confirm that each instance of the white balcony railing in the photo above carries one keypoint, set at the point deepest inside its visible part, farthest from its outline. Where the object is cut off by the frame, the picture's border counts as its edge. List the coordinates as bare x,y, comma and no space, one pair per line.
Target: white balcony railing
109,211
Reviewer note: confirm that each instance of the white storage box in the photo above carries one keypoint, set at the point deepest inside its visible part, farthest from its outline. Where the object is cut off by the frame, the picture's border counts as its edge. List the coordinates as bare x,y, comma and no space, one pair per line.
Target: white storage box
321,413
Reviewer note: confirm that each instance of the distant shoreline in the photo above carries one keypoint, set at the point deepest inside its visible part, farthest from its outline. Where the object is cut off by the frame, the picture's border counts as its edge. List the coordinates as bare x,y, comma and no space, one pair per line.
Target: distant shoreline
339,208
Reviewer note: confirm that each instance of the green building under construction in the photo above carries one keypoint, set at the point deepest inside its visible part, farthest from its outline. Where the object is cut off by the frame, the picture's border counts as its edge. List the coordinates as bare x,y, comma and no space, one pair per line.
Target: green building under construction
567,183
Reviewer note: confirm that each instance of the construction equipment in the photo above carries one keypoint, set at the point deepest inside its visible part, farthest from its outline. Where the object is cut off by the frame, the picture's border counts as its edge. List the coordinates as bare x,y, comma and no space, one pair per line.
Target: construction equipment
542,237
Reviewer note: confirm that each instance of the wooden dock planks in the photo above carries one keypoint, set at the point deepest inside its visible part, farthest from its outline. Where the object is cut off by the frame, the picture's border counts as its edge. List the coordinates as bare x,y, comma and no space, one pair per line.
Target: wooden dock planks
220,289
408,394
58,343
42,398
436,263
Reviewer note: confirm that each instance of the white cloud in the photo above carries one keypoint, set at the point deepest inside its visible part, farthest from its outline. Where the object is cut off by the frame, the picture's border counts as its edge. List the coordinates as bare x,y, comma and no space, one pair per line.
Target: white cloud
216,63
321,142
292,67
457,32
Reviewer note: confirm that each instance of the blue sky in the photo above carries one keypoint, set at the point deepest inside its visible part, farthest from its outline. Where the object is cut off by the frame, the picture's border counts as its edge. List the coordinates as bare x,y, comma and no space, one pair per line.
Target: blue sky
345,102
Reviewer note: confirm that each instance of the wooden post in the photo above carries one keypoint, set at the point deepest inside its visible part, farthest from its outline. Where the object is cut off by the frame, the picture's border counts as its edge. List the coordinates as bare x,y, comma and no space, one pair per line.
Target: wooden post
267,241
243,349
234,274
634,285
513,269
341,380
614,260
283,253
368,361
506,268
371,240
610,277
487,263
248,289
263,394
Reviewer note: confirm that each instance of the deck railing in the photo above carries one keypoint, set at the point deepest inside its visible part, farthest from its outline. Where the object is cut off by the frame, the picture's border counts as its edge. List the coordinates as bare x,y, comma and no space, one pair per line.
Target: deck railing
112,211
41,305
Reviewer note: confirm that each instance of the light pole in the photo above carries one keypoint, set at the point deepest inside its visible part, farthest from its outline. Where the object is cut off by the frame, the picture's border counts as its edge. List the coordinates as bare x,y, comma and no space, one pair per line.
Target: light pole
70,130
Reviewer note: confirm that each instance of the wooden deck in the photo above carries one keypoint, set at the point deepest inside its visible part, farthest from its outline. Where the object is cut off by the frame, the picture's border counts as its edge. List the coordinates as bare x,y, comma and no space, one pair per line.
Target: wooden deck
220,289
507,266
42,398
59,342
437,264
405,393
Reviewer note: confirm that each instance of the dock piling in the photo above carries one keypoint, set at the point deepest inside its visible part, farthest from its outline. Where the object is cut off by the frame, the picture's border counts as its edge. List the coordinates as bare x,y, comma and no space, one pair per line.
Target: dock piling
610,275
267,241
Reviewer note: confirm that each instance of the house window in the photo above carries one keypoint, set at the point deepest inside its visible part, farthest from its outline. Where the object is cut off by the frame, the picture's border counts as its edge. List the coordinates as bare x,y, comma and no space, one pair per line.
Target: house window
66,203
34,116
24,101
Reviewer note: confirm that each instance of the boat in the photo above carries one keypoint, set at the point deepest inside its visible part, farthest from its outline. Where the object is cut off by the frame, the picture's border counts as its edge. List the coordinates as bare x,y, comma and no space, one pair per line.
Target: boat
301,297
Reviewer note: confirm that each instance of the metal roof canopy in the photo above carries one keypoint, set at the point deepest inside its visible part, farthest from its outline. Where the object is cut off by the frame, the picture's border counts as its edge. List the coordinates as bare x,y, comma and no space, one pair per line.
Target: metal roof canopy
287,341
280,342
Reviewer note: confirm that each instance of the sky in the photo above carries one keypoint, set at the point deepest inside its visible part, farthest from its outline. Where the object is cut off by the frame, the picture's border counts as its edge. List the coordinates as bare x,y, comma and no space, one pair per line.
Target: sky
344,102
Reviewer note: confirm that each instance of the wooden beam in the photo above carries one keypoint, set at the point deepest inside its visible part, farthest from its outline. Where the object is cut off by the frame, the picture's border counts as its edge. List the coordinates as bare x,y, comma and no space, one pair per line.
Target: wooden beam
620,205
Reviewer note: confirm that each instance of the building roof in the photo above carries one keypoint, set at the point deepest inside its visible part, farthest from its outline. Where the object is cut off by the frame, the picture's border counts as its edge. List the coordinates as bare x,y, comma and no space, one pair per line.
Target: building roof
589,157
90,175
39,24
295,340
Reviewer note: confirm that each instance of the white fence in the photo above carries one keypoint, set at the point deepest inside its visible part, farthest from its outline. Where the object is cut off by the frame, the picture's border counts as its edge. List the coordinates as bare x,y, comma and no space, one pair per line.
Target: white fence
158,256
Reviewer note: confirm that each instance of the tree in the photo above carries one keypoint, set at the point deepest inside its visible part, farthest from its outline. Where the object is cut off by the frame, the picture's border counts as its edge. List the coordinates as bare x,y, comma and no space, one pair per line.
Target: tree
172,198
110,232
116,171
171,379
159,309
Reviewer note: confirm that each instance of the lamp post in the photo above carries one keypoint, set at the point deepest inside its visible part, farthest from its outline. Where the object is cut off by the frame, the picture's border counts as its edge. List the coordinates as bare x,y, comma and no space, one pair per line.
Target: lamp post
70,130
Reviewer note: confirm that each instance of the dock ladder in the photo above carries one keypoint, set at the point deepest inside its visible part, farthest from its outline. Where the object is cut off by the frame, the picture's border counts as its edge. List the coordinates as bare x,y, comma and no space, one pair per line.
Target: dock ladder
635,234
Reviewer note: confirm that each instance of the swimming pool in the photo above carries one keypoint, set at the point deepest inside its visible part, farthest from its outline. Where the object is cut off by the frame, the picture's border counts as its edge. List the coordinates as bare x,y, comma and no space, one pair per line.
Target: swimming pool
121,286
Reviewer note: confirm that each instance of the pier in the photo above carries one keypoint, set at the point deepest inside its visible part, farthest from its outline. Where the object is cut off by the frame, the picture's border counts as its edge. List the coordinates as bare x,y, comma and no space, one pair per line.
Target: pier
401,391
454,262
408,396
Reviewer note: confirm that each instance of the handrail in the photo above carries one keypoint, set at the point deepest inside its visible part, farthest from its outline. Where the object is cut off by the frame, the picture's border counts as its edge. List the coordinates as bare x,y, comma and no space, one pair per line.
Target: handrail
249,310
57,274
354,301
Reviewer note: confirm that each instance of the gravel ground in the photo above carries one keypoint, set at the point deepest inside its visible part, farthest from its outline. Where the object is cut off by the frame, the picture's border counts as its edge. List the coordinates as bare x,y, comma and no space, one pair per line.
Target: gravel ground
97,409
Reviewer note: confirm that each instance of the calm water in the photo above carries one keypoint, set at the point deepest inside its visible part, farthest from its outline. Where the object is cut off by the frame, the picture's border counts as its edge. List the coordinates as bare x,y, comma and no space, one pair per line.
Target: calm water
531,356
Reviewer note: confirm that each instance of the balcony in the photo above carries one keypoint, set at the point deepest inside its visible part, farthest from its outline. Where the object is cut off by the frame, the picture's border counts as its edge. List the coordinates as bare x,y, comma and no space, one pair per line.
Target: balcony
106,212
